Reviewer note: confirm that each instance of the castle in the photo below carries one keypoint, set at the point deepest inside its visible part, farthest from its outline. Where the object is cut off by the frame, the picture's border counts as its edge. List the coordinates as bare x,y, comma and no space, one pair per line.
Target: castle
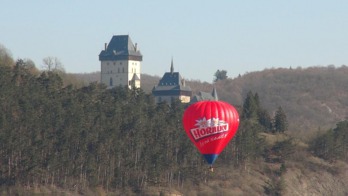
171,87
121,66
120,63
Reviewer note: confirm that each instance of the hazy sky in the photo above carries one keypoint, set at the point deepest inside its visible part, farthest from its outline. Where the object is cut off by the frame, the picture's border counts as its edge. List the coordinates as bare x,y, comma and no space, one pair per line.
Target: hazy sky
202,36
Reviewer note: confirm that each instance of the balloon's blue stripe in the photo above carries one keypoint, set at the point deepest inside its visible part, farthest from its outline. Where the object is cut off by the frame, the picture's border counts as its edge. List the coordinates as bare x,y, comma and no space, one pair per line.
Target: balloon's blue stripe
210,158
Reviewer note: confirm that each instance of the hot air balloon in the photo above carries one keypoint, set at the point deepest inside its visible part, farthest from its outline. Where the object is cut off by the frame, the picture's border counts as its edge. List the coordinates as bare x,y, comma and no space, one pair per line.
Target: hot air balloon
210,125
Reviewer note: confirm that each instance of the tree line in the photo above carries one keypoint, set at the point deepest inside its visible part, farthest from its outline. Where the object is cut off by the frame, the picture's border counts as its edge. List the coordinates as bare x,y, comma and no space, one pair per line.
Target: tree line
92,136
333,144
56,134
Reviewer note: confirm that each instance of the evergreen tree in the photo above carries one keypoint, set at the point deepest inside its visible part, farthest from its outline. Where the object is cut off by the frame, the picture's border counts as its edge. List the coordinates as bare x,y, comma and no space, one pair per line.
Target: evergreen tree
250,107
341,140
324,145
280,121
220,75
265,119
249,144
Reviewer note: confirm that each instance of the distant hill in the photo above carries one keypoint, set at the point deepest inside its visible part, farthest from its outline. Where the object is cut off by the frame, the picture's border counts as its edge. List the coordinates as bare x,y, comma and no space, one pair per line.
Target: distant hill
314,98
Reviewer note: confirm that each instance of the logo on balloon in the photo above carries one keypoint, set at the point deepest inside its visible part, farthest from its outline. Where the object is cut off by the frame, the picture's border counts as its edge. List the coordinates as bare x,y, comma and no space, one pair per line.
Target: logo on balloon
208,127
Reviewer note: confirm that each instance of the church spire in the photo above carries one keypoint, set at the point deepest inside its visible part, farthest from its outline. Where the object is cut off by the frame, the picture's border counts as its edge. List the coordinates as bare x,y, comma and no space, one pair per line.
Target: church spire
171,66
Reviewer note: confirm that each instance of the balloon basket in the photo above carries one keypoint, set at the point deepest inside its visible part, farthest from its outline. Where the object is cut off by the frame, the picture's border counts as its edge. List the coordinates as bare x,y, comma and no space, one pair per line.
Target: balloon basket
211,168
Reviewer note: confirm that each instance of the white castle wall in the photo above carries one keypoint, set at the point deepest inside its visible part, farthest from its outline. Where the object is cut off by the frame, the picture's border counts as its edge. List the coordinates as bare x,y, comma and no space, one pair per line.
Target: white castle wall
120,72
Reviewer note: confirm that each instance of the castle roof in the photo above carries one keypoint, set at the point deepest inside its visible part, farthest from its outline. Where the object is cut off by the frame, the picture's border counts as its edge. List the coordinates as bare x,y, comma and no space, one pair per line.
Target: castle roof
120,47
200,96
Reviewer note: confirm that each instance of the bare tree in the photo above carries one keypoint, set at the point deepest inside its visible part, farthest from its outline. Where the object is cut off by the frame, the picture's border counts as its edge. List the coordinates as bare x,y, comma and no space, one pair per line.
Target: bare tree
5,56
53,64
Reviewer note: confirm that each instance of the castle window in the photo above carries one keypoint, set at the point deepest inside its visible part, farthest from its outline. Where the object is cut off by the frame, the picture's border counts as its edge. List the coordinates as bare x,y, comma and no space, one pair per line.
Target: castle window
122,69
111,82
118,70
114,63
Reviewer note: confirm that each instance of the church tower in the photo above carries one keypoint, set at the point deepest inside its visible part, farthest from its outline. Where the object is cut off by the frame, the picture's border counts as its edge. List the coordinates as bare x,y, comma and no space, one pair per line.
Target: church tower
120,63
172,87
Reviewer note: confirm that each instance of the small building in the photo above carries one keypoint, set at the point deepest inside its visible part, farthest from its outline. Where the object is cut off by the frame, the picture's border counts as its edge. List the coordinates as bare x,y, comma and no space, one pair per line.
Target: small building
201,96
172,87
120,63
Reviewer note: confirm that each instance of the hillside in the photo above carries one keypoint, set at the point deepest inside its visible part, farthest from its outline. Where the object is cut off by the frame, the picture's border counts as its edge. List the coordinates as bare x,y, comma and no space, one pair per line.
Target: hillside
84,139
314,98
59,139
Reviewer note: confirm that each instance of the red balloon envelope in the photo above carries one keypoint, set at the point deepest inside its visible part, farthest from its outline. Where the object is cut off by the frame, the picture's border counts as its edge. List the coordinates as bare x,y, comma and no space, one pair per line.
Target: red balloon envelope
210,125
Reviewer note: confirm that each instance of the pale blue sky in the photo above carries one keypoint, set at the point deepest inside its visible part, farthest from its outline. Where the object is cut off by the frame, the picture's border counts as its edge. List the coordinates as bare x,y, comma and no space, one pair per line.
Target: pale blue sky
201,36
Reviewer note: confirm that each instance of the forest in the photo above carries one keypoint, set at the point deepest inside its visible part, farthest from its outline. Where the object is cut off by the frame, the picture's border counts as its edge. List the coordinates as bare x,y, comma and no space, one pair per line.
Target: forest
78,138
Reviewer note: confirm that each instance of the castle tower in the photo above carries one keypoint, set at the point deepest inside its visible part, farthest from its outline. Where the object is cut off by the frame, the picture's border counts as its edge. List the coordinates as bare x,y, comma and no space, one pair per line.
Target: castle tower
120,63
